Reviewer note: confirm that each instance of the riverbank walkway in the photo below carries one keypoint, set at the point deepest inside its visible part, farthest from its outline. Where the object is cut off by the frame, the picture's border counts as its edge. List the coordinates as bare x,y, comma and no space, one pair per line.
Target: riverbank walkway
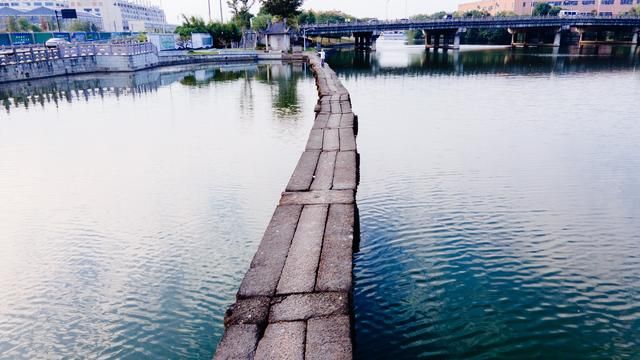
295,299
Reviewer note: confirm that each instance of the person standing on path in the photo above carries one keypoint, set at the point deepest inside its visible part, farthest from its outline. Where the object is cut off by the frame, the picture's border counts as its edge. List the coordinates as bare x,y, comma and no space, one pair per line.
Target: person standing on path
323,56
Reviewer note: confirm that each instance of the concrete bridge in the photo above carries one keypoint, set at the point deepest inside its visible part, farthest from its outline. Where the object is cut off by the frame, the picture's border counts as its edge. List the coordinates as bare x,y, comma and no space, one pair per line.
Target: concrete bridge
445,33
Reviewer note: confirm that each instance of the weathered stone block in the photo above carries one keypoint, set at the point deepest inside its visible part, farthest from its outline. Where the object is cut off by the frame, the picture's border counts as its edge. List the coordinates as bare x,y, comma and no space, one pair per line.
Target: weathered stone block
282,341
315,140
347,120
347,140
303,174
307,306
318,197
329,338
336,261
321,121
238,342
299,273
345,175
331,140
248,311
266,267
324,172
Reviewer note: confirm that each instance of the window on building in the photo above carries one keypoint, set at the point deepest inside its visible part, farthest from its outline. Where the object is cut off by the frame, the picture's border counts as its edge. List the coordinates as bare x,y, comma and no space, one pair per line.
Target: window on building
606,2
626,2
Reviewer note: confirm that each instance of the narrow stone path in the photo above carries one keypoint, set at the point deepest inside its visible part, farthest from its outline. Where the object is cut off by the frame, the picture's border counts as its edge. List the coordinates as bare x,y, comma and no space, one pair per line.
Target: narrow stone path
295,299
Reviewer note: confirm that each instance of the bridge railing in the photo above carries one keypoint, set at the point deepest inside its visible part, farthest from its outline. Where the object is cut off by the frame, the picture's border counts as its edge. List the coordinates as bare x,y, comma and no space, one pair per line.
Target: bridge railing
33,53
478,19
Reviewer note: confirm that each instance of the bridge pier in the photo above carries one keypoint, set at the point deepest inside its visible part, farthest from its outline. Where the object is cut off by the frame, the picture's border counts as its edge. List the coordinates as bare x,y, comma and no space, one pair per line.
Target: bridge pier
445,39
365,41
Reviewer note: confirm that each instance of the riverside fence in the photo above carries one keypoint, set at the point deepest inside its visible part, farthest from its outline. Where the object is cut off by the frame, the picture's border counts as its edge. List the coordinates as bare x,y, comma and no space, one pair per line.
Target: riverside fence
26,54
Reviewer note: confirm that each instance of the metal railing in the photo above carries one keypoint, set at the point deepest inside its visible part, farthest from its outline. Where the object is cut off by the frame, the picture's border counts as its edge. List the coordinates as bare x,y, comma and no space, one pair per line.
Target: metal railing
490,21
25,54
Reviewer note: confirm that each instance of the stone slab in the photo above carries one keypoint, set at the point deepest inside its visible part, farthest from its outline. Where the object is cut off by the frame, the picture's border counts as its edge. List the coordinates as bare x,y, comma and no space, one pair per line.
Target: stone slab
336,261
248,311
347,120
347,139
299,273
346,173
331,140
238,342
323,179
282,341
315,140
308,306
303,174
329,338
334,121
266,267
318,197
321,121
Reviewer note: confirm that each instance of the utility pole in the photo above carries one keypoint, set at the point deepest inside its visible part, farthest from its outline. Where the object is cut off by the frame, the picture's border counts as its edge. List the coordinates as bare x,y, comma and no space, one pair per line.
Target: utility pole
58,20
221,18
209,3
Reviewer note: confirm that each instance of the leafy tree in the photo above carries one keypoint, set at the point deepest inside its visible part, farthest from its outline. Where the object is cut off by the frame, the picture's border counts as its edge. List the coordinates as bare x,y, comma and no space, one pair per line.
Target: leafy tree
261,21
12,24
241,11
545,9
282,8
85,26
223,33
307,17
423,17
24,25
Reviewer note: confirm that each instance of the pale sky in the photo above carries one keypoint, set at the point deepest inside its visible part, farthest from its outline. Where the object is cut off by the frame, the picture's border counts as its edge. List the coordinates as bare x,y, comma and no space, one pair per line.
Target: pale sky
358,8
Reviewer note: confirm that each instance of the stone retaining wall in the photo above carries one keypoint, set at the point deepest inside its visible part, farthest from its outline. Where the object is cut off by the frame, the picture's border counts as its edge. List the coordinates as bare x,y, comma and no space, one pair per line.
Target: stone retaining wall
76,66
295,299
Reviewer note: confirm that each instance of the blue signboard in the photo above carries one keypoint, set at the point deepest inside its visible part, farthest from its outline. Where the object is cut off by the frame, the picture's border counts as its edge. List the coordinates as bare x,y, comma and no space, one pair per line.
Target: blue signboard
22,38
79,37
62,35
5,40
105,36
93,36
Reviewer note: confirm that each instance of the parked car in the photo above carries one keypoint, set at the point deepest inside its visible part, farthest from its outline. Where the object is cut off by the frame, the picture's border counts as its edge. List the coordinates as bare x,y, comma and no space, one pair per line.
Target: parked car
55,42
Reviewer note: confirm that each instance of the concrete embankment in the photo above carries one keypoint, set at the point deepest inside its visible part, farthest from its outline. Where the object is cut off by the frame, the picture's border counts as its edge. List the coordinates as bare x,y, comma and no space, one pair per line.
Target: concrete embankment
76,65
295,300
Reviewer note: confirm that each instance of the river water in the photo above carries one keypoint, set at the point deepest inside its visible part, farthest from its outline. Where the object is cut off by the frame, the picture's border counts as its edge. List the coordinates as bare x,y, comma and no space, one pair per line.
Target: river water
499,203
131,205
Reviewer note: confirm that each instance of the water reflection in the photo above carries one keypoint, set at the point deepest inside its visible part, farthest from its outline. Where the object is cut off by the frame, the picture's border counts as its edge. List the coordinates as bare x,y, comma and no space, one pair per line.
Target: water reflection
132,204
500,212
83,88
414,61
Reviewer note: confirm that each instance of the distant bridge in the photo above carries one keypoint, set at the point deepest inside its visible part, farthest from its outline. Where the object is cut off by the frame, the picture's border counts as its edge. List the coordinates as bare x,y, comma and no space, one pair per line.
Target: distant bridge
447,30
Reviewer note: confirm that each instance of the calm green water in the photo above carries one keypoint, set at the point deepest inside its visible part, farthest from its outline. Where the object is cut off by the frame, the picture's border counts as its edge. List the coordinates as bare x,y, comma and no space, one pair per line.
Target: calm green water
499,202
131,205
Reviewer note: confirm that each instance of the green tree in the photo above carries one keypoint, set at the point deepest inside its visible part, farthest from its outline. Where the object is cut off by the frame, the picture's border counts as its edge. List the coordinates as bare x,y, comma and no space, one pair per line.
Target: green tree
24,25
191,25
282,8
12,24
241,12
307,17
261,21
86,26
545,9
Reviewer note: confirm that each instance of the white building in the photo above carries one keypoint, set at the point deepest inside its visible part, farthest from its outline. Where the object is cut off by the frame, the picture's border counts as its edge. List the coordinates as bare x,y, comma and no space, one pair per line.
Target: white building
27,5
125,15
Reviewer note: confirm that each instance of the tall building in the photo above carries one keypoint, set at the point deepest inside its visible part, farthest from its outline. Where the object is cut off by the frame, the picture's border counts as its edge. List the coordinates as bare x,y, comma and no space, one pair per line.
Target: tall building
42,14
27,5
522,7
125,15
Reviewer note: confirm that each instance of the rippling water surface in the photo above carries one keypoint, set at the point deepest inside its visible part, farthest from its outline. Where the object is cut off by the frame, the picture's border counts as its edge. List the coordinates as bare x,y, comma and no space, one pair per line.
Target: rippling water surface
131,205
500,204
